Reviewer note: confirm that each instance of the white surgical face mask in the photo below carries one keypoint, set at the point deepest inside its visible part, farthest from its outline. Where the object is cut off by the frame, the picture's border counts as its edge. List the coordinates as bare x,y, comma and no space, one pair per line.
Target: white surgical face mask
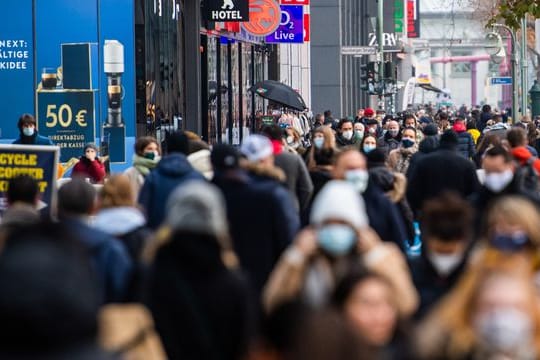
358,178
504,329
348,134
359,134
28,131
290,139
496,182
445,263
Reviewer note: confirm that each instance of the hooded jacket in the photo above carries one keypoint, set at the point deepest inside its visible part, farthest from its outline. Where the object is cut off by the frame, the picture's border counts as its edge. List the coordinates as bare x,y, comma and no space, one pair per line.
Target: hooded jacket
261,217
171,171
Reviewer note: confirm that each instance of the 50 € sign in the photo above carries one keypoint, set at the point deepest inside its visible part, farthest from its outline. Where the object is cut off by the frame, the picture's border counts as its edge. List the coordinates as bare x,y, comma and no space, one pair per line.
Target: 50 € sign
63,116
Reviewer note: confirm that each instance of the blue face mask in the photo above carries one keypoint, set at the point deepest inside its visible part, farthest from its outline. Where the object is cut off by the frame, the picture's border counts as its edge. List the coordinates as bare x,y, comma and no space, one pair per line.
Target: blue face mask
318,142
367,148
510,242
336,239
407,143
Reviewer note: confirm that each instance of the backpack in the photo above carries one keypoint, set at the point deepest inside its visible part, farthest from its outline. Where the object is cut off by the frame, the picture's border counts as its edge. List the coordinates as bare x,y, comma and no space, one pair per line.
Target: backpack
528,176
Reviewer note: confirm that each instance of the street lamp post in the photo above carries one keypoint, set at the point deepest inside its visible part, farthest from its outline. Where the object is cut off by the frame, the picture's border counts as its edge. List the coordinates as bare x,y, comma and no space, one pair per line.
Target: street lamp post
524,66
515,97
380,43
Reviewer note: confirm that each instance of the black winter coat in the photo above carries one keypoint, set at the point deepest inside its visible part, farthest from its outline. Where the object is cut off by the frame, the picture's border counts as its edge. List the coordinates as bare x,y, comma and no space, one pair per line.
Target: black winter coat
384,216
466,147
443,170
262,221
201,309
432,286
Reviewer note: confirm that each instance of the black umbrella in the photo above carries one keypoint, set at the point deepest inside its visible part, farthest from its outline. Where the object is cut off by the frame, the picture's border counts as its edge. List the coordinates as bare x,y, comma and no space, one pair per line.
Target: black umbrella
279,93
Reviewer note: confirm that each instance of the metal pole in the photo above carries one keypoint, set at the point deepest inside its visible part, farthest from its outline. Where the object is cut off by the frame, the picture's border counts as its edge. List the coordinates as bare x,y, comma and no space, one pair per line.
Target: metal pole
524,66
380,42
515,97
473,83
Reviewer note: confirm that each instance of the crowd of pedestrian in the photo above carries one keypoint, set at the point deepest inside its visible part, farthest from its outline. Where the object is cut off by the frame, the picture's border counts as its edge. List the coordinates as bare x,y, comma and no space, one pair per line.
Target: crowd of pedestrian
408,236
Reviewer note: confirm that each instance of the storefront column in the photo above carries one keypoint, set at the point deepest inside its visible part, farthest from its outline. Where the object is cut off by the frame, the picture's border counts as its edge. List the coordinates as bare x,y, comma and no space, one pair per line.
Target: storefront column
192,117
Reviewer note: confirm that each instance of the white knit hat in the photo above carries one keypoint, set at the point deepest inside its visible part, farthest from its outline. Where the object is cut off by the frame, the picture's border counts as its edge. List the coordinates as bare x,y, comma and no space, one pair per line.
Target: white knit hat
338,200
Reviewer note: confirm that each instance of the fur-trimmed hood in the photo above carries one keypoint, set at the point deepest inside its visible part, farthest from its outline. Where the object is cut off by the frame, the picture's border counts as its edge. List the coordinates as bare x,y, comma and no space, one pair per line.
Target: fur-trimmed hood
397,193
273,172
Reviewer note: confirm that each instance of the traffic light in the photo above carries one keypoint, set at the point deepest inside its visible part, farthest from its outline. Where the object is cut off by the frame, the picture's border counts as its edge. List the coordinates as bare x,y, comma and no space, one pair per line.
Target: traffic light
390,71
368,77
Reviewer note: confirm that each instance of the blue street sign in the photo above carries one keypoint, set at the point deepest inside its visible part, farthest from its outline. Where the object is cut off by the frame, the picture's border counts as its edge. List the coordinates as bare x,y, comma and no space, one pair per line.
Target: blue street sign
501,80
291,26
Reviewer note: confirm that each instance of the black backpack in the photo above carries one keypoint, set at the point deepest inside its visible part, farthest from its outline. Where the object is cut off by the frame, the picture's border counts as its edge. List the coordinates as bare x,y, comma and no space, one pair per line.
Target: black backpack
528,176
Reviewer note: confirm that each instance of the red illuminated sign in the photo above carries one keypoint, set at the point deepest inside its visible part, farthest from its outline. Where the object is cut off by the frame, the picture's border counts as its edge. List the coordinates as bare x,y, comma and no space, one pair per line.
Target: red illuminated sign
306,27
294,2
264,17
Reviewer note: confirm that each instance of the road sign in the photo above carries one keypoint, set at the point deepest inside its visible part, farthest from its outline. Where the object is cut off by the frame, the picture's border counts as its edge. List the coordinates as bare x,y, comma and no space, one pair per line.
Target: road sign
358,50
501,80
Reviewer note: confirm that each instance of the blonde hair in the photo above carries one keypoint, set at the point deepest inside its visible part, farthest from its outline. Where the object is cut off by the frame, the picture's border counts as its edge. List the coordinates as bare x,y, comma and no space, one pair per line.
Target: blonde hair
519,212
455,312
117,191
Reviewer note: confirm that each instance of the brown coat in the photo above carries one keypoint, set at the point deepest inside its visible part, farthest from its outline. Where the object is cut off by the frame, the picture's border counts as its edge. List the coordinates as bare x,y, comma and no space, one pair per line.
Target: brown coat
288,279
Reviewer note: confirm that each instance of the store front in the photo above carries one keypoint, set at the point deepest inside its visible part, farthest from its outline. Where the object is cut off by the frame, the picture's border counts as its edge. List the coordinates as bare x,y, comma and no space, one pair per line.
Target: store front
230,67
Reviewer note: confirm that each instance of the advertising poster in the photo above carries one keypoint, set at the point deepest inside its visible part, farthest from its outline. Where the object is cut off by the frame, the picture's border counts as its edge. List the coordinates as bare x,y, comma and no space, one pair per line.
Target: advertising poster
291,26
16,64
68,119
40,162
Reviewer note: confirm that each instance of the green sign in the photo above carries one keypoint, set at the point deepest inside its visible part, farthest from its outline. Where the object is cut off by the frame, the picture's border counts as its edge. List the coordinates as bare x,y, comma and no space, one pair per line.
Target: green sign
399,16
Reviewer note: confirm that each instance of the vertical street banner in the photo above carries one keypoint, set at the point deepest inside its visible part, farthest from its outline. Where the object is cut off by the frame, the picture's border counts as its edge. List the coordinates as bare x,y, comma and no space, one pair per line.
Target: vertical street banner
39,162
291,26
422,65
413,19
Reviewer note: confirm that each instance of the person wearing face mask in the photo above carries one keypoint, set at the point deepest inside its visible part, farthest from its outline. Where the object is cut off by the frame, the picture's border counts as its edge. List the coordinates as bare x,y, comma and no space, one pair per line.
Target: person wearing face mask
446,226
500,180
146,157
359,131
373,128
384,216
338,238
368,144
492,313
345,135
28,134
90,166
391,139
399,159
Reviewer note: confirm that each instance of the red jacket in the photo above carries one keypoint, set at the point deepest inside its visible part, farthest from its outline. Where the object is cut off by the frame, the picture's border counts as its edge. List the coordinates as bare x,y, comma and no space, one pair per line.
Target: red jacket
95,170
522,154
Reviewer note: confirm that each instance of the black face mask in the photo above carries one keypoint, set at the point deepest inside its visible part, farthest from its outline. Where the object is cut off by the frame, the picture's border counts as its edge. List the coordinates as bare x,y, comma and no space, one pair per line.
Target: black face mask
510,242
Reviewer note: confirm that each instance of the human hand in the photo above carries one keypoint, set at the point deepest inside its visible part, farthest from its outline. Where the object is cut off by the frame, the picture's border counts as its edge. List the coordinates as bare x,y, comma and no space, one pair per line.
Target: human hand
306,242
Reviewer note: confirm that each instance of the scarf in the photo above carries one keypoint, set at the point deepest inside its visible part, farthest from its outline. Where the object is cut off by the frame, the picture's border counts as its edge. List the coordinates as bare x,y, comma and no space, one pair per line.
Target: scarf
144,165
405,158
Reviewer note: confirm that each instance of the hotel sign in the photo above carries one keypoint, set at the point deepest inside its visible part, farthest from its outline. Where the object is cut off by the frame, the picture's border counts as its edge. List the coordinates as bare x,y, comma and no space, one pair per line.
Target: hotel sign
227,10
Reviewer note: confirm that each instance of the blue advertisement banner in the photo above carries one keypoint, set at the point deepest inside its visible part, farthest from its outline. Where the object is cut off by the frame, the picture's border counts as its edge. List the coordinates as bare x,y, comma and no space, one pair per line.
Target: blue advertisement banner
291,27
40,162
67,117
16,64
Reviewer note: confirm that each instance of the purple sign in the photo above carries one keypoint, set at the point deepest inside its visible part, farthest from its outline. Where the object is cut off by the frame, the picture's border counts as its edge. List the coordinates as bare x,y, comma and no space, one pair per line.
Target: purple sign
291,26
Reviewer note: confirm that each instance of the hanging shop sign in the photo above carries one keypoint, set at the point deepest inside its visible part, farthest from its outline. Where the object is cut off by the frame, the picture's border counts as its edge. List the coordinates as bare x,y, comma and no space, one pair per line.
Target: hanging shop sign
227,10
264,17
413,19
307,30
291,26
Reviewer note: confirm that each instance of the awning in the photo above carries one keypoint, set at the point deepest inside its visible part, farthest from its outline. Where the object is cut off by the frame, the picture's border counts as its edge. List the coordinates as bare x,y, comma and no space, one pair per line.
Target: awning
430,87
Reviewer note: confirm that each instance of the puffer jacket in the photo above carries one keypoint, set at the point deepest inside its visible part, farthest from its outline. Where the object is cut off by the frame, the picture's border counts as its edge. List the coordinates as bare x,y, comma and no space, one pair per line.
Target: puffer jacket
466,146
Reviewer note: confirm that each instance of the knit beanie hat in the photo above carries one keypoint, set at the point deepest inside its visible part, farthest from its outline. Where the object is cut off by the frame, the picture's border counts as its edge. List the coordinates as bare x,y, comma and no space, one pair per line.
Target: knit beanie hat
197,206
338,200
91,146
